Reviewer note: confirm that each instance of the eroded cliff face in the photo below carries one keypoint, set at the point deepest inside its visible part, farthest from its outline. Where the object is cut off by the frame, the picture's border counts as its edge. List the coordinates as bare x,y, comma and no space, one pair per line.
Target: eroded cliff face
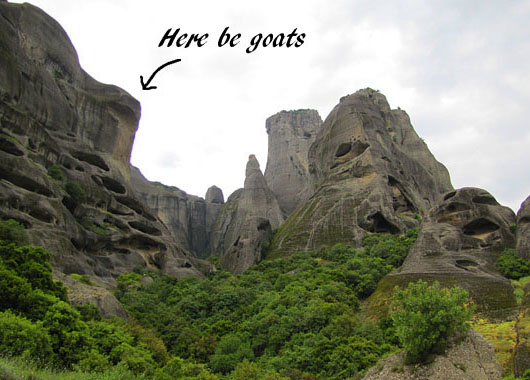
523,230
65,144
458,245
369,172
291,133
245,222
189,219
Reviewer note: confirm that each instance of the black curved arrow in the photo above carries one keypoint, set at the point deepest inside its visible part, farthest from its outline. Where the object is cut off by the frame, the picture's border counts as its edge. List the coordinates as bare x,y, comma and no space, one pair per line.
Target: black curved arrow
145,86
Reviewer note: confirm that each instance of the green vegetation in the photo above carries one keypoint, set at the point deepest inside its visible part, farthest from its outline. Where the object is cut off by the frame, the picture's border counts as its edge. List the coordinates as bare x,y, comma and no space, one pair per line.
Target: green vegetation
512,266
40,327
75,191
56,173
426,316
294,318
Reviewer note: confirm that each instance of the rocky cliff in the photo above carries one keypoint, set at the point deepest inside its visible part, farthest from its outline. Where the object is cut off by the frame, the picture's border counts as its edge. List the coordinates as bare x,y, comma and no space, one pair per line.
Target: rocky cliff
369,172
523,230
471,359
65,144
458,245
189,219
245,222
287,173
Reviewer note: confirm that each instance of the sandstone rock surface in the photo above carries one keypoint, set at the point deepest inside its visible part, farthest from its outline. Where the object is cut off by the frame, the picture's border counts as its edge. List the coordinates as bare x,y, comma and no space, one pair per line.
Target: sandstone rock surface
65,144
291,133
523,230
369,172
471,359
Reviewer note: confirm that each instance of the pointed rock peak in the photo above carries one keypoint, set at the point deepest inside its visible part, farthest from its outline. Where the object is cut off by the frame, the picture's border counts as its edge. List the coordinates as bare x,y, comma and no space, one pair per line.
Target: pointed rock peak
214,195
252,164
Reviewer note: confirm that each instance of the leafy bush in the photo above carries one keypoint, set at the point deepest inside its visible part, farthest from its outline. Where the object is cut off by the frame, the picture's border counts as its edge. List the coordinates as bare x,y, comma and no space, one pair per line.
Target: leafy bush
12,231
75,191
512,266
56,173
426,316
20,336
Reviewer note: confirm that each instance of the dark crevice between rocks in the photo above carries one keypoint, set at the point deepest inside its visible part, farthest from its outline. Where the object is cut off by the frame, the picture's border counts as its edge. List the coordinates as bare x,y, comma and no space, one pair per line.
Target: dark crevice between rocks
113,185
479,227
400,202
449,195
379,224
25,182
145,228
10,147
143,242
92,159
343,149
486,200
135,205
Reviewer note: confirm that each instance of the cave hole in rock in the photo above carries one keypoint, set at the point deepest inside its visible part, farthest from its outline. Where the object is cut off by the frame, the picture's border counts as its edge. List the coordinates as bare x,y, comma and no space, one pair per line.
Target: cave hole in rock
237,241
25,182
42,215
145,228
466,264
485,199
479,227
113,185
524,220
449,195
80,168
135,205
343,149
379,224
92,159
456,207
10,147
187,265
400,202
264,225
70,204
143,242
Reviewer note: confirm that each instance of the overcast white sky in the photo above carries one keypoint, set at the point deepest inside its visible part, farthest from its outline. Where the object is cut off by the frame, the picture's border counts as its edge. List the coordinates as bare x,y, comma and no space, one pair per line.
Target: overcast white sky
459,68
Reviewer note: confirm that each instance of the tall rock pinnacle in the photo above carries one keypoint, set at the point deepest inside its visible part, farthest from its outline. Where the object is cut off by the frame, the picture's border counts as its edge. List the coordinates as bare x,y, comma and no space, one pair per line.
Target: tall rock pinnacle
291,133
245,221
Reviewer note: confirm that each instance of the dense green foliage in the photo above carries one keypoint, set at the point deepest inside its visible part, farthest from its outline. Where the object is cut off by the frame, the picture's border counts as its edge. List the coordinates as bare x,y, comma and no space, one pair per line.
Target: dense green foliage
512,266
290,319
295,317
37,322
426,316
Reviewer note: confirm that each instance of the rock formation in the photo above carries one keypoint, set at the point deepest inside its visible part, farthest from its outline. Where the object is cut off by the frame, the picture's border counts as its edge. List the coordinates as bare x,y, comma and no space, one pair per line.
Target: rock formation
458,245
214,195
189,218
471,359
523,230
245,221
65,144
369,172
290,136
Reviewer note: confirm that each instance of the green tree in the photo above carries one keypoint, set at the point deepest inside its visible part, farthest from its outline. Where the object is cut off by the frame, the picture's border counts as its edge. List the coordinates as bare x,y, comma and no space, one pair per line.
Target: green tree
12,231
426,316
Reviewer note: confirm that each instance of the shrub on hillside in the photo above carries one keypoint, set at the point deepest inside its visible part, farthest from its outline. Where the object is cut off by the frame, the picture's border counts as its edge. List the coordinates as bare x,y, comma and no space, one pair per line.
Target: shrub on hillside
425,316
